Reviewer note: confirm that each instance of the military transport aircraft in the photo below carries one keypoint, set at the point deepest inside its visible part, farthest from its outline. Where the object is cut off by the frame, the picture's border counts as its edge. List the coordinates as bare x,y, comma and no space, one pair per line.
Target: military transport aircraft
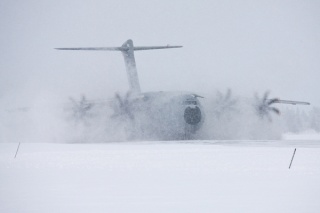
162,115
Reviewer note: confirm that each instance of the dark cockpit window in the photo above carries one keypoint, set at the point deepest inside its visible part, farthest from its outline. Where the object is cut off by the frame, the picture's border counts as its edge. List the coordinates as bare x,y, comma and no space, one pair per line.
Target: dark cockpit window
190,102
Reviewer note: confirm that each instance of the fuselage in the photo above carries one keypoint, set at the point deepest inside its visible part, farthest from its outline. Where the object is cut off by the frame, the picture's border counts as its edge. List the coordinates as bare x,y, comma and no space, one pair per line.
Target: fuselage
167,115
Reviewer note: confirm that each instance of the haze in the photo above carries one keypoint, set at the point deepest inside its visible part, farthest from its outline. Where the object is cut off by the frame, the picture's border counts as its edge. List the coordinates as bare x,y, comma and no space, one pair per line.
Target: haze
247,46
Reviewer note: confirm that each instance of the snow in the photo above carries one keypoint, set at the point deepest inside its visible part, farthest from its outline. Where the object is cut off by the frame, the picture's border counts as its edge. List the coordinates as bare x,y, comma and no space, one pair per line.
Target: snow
171,176
309,135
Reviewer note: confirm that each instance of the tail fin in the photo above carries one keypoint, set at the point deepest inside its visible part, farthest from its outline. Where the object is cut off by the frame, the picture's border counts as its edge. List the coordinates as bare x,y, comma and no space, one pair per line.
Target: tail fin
127,50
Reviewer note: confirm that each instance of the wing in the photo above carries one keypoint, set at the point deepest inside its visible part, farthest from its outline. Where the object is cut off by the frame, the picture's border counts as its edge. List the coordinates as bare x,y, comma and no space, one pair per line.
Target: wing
290,102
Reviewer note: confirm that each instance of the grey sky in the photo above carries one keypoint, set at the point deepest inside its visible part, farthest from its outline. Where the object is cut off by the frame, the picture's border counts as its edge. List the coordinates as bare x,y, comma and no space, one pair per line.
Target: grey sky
249,46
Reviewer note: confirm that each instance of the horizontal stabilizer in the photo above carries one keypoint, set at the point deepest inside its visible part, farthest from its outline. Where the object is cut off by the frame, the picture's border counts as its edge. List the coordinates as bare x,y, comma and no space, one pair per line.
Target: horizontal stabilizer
119,48
127,50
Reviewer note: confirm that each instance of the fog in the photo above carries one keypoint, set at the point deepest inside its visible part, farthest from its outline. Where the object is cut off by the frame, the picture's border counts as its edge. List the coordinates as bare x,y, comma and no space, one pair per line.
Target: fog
248,46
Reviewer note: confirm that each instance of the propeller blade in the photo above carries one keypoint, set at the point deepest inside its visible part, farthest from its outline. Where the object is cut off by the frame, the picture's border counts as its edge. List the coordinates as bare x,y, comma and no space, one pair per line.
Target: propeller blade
275,110
124,106
264,107
228,95
265,96
272,101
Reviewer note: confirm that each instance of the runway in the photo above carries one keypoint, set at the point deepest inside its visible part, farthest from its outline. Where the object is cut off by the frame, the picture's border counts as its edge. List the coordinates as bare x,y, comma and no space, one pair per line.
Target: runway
161,176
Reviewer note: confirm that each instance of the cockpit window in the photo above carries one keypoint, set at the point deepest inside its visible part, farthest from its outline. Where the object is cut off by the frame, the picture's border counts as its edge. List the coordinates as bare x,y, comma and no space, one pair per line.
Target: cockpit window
190,102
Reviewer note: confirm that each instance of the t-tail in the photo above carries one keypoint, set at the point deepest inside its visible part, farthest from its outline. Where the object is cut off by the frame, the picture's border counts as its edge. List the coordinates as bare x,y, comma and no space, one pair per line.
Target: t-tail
127,50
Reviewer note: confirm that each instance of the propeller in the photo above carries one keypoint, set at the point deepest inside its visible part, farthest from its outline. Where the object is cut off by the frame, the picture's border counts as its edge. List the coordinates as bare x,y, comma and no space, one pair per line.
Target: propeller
225,102
123,107
80,108
264,106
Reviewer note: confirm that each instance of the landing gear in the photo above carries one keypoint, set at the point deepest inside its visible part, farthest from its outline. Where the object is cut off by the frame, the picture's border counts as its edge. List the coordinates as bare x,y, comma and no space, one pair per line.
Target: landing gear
189,131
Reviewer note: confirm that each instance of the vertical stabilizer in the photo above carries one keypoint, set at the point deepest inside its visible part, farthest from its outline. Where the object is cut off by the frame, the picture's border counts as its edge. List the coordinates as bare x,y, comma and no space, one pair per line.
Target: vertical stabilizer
128,55
127,50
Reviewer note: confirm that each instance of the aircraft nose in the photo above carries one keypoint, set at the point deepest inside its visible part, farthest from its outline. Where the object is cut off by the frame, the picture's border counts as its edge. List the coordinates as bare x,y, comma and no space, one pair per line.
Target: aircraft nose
192,115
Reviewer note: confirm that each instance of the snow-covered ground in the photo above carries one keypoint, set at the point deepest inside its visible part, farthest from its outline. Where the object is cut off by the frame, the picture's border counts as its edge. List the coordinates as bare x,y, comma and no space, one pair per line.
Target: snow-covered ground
306,135
186,176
